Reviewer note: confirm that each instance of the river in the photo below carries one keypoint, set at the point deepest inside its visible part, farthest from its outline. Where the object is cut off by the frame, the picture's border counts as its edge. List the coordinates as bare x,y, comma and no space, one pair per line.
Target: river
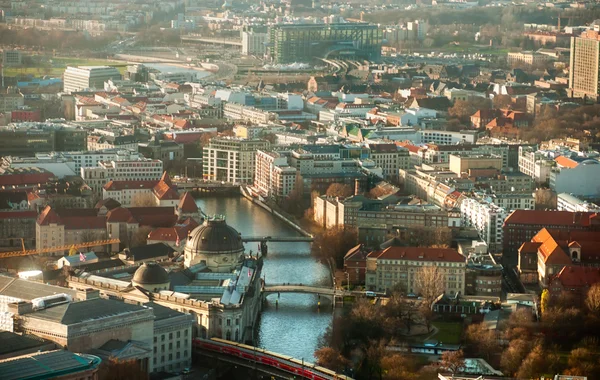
294,327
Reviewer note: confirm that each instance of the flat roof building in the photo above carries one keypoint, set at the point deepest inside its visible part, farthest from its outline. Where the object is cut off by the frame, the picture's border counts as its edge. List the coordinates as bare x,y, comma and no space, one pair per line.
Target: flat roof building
88,77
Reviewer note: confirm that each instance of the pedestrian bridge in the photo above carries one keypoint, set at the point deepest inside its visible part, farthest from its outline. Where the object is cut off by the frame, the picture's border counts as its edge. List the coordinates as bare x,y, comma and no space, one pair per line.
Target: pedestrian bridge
300,288
278,239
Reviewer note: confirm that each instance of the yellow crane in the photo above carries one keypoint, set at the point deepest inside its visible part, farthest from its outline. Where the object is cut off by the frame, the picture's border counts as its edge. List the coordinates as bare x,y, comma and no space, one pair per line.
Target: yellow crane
68,247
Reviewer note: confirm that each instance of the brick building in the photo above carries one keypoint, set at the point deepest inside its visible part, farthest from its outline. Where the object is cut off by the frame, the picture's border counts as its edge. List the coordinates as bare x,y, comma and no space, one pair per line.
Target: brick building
522,225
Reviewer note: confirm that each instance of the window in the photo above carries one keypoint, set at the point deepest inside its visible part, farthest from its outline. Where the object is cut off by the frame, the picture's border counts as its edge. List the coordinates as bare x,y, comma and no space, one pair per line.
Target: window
162,337
178,334
170,346
170,335
170,356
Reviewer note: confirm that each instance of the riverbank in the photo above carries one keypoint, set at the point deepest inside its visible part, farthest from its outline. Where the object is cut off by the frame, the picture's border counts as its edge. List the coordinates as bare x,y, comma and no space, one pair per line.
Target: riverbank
248,195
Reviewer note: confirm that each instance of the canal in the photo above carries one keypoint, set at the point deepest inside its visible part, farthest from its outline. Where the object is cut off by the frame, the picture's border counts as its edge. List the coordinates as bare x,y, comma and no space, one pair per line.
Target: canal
294,327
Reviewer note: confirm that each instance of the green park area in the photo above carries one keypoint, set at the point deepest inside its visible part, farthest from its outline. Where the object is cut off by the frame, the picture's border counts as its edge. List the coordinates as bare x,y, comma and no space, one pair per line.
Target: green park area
448,332
55,66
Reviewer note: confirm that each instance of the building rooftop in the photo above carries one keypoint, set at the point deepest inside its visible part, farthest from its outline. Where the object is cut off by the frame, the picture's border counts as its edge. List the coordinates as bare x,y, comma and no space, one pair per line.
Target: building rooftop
46,365
28,290
83,311
12,342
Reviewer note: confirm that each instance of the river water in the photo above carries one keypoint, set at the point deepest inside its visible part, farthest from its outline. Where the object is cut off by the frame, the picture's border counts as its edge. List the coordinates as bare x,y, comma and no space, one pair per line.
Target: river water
295,325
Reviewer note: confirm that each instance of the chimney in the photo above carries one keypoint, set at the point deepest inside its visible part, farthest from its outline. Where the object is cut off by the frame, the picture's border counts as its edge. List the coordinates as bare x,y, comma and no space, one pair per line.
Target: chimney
20,308
88,294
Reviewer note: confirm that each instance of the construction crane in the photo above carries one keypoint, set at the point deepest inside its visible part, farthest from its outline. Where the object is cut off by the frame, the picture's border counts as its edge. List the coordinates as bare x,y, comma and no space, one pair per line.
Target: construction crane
24,252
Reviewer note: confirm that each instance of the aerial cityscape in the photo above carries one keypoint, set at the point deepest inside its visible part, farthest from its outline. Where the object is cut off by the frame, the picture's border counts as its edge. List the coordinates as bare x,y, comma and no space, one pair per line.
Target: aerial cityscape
299,189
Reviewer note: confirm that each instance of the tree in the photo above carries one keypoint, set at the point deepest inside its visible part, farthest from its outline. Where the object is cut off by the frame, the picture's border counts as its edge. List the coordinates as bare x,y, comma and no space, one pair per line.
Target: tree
534,364
453,361
584,362
463,109
334,243
331,358
139,238
592,300
143,200
502,101
544,302
430,282
514,355
483,339
430,237
339,190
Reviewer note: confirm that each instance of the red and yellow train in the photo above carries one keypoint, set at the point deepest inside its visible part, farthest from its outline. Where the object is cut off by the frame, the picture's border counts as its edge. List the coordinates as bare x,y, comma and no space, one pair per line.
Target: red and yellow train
284,363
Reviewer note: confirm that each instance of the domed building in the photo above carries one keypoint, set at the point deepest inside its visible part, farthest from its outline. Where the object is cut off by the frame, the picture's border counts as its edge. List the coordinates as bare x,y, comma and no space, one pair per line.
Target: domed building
214,244
152,277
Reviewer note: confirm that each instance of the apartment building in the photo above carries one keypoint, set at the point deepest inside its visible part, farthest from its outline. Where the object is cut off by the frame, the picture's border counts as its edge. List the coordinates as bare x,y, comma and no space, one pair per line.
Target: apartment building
401,265
535,164
487,218
254,43
231,159
273,176
11,100
390,158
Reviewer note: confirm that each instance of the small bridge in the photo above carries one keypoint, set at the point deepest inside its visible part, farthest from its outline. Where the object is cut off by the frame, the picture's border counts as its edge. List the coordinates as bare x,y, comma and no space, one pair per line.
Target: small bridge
301,288
278,239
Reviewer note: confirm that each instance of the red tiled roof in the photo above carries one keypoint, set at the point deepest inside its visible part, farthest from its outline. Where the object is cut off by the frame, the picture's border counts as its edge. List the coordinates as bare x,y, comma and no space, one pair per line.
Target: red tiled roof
418,254
566,162
577,276
551,251
24,179
488,113
121,185
83,222
549,218
179,231
119,215
154,216
187,203
48,216
529,247
18,214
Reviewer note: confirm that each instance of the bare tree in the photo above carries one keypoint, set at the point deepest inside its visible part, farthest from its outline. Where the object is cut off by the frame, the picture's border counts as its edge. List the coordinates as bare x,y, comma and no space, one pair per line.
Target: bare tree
430,282
484,339
143,200
331,358
453,361
140,237
592,300
339,190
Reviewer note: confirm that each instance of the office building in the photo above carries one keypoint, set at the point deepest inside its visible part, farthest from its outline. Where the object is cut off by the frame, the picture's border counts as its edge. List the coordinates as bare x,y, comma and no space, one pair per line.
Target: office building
88,77
303,42
254,43
568,202
231,159
584,68
27,139
401,265
12,58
